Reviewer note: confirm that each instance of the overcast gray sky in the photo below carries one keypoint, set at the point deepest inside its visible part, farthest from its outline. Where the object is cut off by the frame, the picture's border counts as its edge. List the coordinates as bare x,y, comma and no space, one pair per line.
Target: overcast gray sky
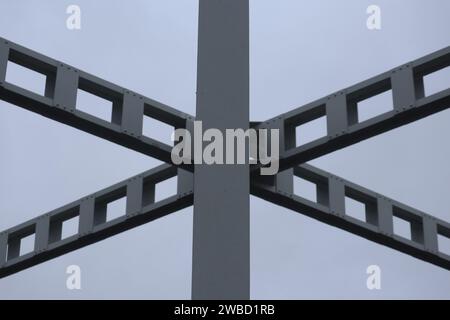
300,51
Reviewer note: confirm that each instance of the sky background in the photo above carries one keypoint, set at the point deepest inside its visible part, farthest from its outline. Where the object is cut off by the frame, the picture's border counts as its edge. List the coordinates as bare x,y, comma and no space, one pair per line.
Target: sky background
300,51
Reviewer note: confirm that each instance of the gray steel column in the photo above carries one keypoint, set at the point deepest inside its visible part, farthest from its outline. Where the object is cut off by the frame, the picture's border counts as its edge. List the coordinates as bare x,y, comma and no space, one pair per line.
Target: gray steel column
221,246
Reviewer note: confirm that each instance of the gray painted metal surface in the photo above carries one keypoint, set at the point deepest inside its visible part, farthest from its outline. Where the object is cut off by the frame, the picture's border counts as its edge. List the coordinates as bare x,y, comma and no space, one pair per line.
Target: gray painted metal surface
221,249
220,193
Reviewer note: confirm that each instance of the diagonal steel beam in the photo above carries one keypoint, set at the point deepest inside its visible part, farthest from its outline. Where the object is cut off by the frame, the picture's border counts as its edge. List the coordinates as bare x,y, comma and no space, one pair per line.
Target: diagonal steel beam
59,102
125,127
410,104
94,224
329,208
380,211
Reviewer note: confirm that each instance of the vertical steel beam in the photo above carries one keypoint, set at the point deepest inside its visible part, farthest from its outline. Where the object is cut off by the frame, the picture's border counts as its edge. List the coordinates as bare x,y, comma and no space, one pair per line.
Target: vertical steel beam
133,114
385,216
221,236
338,114
65,87
430,234
336,202
134,195
404,88
87,216
42,233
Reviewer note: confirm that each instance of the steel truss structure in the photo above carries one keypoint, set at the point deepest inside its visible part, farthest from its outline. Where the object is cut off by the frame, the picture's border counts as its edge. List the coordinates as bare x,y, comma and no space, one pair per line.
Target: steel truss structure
226,251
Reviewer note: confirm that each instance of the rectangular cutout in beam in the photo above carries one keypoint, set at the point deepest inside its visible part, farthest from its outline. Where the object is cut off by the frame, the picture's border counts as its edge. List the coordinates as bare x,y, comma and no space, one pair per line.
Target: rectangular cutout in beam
26,78
355,209
444,244
157,130
313,186
157,124
408,225
94,105
311,130
375,106
402,228
305,189
30,73
70,227
99,101
64,225
166,189
116,209
361,206
305,126
27,244
437,81
110,206
369,101
21,242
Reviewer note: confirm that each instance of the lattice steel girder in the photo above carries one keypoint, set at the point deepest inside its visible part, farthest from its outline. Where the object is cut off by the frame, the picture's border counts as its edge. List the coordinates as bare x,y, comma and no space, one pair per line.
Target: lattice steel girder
129,108
379,211
125,128
341,112
94,226
59,102
139,190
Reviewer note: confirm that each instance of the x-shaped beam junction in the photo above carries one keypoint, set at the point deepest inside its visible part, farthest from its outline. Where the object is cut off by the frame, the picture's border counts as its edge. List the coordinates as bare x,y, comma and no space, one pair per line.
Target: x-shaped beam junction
125,128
